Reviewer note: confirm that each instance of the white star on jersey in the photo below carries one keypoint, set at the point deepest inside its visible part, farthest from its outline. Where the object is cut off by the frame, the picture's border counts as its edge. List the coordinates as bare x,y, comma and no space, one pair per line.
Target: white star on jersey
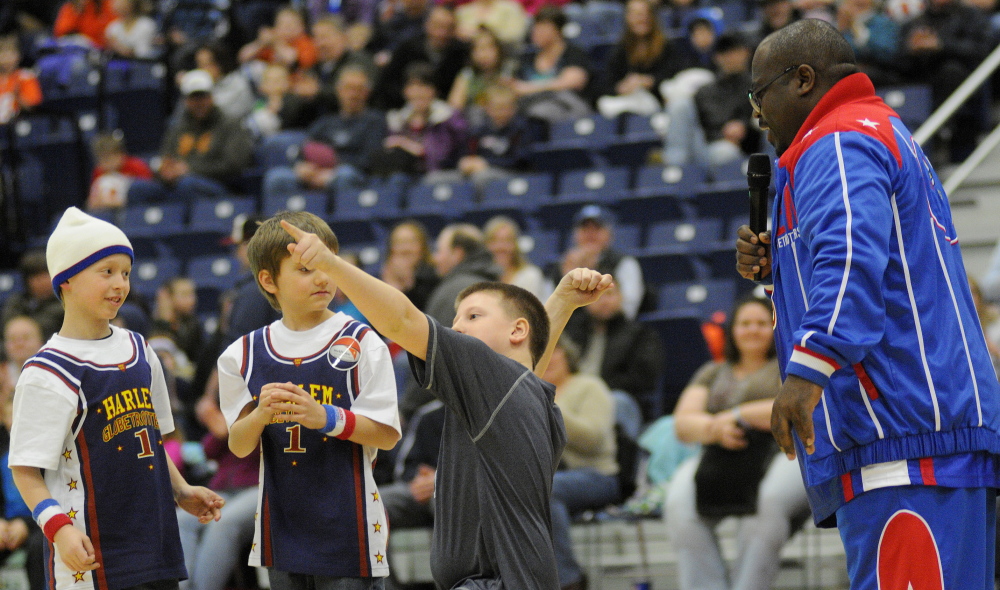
868,123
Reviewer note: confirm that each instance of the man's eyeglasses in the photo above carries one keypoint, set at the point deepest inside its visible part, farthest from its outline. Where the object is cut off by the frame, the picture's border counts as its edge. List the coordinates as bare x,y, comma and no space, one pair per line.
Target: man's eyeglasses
758,95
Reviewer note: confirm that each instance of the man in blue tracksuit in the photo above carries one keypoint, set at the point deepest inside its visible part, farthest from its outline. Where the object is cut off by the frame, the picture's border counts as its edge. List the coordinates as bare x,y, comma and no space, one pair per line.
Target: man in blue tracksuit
889,400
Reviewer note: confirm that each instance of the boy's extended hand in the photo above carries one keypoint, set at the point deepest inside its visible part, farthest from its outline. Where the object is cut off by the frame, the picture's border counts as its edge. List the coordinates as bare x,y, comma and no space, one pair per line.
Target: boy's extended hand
76,550
297,405
201,502
582,286
308,250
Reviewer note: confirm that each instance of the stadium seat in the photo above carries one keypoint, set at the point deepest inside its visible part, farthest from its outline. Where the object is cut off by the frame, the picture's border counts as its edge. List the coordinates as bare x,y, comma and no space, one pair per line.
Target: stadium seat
678,181
445,200
217,272
579,187
555,157
542,246
216,215
912,103
663,267
148,275
594,130
684,344
701,297
10,283
376,201
722,201
628,236
311,201
280,149
653,127
696,235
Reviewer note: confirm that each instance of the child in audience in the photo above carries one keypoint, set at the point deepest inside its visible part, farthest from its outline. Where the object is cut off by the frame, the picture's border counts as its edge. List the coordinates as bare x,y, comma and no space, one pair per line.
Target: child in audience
19,89
277,108
132,34
286,43
113,172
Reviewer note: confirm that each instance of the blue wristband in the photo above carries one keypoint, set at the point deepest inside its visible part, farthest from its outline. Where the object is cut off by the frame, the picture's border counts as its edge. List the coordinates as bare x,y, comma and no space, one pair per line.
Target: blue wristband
41,506
331,418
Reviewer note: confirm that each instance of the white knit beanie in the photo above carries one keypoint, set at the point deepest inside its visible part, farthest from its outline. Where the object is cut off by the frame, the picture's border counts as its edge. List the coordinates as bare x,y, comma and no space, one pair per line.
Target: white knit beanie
80,240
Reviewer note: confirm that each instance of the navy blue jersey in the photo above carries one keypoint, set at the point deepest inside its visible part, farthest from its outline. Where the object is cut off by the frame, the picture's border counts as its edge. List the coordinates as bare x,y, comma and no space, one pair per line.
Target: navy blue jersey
110,473
319,509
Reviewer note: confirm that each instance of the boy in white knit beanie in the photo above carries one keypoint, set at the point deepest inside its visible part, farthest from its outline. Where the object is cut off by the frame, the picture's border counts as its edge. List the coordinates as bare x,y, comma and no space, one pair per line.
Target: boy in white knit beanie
89,409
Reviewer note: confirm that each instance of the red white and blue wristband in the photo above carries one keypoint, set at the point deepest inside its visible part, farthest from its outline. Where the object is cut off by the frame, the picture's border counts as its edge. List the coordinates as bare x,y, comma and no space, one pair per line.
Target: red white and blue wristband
50,517
339,422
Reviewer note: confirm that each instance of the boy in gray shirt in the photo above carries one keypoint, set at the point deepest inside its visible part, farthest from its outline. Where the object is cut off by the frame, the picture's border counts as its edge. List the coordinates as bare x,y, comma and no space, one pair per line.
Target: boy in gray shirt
503,434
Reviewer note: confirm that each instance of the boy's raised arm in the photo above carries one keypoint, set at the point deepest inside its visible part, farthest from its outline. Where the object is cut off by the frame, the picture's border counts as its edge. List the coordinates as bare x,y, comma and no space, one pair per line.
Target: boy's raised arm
390,312
580,287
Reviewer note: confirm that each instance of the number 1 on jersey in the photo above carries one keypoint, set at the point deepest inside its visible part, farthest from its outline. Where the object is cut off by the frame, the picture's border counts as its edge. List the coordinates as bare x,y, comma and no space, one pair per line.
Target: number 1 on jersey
295,439
147,449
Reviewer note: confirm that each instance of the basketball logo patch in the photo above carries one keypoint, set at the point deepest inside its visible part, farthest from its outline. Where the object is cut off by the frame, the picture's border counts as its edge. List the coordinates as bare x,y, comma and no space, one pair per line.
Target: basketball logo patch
344,353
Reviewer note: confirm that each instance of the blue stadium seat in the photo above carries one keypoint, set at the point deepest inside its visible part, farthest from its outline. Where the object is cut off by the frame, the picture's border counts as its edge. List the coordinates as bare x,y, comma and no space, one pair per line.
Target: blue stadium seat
602,185
653,127
702,297
678,181
155,220
311,201
555,157
628,236
216,215
721,264
594,130
695,235
912,103
628,151
280,149
663,267
544,246
684,344
219,272
447,200
376,201
522,191
139,101
722,201
10,283
148,275
357,233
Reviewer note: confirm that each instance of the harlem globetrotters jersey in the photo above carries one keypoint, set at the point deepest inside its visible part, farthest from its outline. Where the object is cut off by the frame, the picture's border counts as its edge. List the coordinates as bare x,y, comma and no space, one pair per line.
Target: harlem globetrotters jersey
90,414
318,511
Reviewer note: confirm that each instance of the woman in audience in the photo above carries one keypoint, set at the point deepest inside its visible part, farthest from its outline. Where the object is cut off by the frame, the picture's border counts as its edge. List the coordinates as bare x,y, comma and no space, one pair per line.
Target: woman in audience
642,60
132,34
408,265
231,92
588,479
502,234
488,64
553,78
727,408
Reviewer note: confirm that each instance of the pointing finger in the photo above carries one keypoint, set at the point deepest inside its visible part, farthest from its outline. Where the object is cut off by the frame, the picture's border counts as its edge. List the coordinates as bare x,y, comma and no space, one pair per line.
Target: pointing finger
293,231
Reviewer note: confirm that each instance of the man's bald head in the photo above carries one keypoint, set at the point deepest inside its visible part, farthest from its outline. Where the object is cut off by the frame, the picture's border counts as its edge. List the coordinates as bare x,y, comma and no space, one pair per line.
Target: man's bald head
809,41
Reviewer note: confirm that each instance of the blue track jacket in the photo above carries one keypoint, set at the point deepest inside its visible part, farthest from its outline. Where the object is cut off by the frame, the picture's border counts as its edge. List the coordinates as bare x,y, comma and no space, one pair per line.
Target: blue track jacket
872,303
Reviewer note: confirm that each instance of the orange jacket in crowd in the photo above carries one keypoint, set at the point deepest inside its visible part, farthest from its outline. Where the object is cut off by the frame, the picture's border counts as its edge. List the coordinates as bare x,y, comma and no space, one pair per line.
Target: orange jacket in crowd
89,22
18,90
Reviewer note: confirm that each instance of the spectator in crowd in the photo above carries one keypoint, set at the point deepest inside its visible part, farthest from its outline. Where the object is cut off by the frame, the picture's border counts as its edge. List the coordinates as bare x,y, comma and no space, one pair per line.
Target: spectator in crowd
408,265
499,145
286,43
593,235
37,300
715,127
22,337
318,85
553,79
250,309
231,90
624,353
278,108
874,37
727,408
86,18
18,527
502,237
505,18
460,259
694,50
113,173
488,64
774,15
340,148
397,22
175,314
132,34
588,476
679,13
407,499
19,88
941,47
426,135
213,551
641,61
202,152
436,45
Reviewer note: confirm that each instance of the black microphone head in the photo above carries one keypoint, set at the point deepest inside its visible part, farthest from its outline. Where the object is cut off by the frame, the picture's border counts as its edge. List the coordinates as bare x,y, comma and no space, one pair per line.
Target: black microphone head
759,171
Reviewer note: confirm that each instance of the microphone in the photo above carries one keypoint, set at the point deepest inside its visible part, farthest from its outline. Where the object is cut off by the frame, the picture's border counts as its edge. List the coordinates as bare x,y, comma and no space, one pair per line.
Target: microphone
759,183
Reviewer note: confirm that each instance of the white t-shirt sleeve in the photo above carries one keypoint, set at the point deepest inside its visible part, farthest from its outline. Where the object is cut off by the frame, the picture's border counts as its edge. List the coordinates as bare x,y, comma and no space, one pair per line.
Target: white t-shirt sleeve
377,382
44,409
159,394
234,394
